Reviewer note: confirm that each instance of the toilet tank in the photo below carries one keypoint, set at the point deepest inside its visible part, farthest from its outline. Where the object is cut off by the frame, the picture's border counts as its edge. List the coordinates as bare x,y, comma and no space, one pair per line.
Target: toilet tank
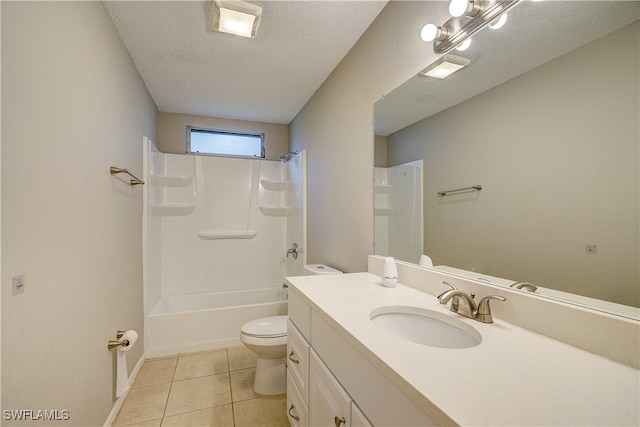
316,269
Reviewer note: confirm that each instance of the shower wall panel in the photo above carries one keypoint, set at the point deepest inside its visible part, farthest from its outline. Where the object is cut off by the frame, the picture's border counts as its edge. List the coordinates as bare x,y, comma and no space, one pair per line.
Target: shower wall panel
214,236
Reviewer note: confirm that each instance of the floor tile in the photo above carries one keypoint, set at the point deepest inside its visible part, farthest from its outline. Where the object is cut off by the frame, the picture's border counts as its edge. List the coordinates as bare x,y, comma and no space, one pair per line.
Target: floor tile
152,423
198,393
143,404
219,416
156,371
240,357
194,365
242,384
266,411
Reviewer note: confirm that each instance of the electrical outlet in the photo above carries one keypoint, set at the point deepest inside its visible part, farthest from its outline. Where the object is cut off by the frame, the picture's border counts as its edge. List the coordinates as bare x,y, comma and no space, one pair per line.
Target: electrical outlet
591,249
18,284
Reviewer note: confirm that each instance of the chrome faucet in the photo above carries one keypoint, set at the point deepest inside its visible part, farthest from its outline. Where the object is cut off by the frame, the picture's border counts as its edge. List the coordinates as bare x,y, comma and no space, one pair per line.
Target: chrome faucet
524,285
294,251
465,304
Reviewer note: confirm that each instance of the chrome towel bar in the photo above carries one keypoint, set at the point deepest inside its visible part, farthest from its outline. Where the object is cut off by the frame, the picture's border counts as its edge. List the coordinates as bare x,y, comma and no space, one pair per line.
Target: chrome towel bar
475,187
134,181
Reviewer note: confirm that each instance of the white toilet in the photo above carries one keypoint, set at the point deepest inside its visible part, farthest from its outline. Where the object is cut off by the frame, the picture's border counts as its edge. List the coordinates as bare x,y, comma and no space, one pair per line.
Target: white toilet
267,337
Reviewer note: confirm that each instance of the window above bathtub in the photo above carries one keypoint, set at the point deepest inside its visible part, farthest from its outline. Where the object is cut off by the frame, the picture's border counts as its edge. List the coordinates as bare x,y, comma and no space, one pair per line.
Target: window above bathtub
227,143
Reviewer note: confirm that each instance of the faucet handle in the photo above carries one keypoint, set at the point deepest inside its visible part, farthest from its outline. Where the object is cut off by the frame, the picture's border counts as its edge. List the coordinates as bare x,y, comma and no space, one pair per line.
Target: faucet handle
484,309
454,301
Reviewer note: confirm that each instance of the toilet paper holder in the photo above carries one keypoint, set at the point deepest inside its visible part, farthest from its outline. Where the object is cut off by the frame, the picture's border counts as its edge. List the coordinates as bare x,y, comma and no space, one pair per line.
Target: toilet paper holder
113,344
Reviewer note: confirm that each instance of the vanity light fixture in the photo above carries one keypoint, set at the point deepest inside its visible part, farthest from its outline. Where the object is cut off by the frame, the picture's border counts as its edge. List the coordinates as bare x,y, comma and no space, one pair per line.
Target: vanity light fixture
464,45
445,66
236,17
458,8
498,22
468,17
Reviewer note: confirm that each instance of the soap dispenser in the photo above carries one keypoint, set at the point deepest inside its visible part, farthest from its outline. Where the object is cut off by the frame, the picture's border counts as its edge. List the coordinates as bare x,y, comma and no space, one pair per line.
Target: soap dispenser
389,272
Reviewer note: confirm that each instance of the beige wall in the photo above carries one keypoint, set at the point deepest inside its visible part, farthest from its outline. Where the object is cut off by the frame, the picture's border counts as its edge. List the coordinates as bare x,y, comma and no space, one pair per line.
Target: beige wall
556,151
336,127
172,132
73,104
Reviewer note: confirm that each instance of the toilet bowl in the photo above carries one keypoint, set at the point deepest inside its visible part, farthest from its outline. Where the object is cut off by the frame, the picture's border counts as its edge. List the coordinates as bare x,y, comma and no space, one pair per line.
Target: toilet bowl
267,337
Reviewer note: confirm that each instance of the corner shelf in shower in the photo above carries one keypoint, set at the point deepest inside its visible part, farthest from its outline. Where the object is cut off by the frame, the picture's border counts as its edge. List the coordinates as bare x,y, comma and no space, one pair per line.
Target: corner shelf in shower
274,210
383,210
171,180
383,188
218,235
173,209
272,185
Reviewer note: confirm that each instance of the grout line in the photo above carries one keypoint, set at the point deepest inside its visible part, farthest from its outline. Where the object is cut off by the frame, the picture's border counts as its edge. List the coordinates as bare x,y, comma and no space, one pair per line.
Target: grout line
233,408
166,403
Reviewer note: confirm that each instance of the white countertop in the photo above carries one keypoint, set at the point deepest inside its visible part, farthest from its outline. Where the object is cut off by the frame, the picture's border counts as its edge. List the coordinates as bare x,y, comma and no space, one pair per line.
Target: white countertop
514,377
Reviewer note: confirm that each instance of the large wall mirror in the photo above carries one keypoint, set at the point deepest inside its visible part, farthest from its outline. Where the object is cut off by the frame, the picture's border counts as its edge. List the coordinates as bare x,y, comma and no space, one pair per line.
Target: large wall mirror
546,118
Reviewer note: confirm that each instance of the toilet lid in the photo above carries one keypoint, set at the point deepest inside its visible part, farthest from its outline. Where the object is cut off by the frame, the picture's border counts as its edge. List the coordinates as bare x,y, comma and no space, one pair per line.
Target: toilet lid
274,326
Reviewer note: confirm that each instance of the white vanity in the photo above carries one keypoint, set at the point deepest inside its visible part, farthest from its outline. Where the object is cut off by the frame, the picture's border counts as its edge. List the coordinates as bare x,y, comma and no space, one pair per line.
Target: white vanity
344,370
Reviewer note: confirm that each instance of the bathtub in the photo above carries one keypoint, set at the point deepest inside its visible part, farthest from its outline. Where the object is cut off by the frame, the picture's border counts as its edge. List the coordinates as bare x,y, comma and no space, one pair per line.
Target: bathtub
206,321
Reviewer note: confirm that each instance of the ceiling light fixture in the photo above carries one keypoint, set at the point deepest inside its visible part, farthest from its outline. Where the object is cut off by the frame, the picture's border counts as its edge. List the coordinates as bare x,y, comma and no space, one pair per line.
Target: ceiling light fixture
468,17
445,66
236,17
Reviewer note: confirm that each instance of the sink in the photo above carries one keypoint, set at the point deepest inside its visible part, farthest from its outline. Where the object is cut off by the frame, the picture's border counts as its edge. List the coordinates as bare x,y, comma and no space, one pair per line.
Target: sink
425,327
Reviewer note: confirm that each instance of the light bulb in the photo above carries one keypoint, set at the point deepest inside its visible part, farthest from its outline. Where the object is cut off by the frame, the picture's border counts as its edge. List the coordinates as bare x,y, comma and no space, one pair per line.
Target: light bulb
457,8
464,45
429,33
498,22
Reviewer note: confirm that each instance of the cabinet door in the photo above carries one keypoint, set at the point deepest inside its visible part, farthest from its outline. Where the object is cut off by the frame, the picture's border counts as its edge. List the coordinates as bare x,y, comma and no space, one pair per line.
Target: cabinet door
298,359
329,403
296,407
357,417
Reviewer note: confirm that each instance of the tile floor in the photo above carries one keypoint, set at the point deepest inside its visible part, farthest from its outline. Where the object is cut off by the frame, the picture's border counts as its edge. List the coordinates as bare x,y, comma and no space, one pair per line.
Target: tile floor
212,388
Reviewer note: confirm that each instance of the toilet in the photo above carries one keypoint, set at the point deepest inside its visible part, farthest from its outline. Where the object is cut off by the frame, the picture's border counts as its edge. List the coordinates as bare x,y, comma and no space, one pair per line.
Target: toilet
267,337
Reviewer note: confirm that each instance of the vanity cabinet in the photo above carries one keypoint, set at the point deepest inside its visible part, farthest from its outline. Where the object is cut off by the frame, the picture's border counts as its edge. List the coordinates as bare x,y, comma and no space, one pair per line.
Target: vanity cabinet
329,403
297,376
315,396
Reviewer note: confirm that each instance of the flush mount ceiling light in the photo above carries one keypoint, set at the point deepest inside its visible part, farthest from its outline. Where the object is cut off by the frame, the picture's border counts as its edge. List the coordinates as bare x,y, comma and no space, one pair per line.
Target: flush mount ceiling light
468,17
236,17
445,66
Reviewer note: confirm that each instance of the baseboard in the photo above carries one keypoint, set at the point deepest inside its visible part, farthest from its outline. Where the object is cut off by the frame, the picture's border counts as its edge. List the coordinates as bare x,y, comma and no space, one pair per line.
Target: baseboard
173,350
117,405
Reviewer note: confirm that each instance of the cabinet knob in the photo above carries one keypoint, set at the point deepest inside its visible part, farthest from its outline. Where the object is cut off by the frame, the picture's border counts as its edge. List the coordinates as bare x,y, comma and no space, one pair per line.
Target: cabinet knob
292,359
339,421
291,415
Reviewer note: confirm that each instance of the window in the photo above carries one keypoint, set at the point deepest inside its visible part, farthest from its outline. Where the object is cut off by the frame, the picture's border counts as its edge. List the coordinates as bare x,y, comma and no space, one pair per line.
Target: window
225,143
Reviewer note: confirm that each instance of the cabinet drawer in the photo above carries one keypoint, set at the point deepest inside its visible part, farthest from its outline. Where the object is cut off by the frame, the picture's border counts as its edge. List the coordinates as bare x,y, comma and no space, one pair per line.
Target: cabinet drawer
300,314
329,403
298,360
296,407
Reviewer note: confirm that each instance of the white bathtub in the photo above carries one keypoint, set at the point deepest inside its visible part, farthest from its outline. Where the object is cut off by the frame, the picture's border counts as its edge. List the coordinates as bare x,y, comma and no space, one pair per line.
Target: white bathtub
197,322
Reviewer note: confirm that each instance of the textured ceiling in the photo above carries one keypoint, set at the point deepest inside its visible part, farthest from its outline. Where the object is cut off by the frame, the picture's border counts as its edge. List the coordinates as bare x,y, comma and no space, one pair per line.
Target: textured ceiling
535,33
190,68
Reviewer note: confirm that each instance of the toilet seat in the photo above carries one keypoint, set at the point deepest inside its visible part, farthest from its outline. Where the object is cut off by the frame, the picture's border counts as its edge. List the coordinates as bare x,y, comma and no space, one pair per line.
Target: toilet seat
266,327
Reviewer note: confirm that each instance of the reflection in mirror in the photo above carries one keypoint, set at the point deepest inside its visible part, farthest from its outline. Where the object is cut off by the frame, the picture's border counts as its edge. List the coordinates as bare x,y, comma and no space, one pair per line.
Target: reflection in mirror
546,119
398,210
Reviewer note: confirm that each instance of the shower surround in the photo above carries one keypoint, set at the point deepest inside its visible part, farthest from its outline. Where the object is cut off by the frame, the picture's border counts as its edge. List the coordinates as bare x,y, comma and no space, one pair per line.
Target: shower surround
217,231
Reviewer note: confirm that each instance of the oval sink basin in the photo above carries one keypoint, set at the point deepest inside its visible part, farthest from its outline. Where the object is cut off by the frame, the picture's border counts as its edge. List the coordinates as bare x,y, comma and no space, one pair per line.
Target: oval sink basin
425,327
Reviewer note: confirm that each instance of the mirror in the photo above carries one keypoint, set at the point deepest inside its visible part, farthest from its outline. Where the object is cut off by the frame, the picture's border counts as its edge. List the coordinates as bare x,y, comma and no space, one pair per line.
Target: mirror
546,119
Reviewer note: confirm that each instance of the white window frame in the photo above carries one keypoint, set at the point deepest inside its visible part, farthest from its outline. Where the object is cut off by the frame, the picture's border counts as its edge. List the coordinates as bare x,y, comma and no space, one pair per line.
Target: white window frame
225,132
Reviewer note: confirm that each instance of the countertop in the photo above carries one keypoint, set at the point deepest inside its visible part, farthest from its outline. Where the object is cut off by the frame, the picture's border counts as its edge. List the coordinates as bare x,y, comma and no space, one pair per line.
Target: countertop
513,377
